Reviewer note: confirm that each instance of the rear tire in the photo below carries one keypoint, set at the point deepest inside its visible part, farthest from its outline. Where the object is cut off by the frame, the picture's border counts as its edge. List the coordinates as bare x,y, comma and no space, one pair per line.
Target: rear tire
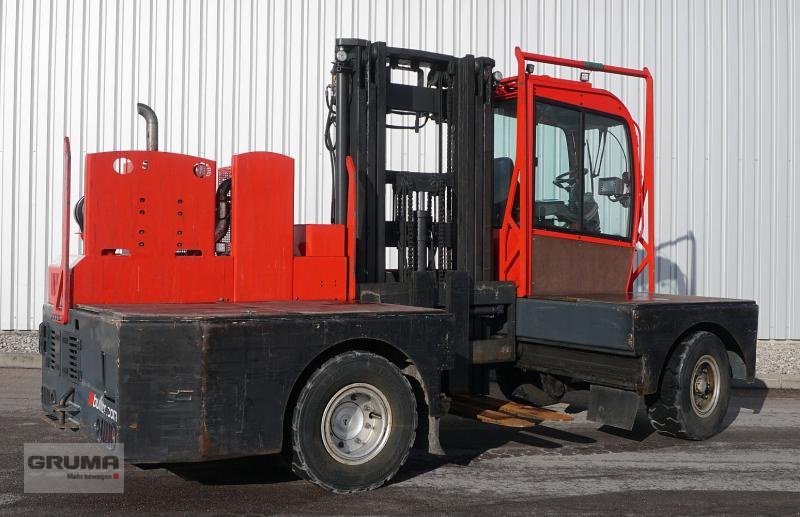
695,389
354,423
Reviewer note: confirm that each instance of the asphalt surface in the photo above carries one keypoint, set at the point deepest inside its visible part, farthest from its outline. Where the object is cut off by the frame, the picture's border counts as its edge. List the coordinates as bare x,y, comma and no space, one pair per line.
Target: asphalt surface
751,468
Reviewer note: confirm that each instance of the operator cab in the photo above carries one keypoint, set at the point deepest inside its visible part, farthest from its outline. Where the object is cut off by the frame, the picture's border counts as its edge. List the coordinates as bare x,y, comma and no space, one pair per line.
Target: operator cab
583,168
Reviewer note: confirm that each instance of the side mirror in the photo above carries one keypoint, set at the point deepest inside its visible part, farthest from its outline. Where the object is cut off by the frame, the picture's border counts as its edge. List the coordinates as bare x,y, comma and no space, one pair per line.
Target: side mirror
611,187
614,189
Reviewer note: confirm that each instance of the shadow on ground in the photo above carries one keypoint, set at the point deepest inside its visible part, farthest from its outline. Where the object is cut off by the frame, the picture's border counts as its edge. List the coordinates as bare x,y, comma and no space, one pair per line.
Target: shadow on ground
465,441
239,471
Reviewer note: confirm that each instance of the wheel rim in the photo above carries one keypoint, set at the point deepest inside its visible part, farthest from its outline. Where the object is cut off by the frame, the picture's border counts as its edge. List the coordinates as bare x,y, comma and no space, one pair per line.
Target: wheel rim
705,386
356,423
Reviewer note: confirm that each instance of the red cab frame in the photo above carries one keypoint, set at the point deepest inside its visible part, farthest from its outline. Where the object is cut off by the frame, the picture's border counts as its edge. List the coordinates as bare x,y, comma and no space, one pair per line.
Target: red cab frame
515,240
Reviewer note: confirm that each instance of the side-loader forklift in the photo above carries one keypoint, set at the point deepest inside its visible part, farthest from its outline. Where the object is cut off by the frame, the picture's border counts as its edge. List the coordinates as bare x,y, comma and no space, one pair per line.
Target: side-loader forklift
201,323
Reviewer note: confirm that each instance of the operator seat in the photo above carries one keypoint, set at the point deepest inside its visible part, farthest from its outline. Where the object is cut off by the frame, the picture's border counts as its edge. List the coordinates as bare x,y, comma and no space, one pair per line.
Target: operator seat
591,213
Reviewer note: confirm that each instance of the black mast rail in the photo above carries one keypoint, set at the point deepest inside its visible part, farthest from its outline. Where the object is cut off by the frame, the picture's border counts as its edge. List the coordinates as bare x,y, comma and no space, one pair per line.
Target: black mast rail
455,95
440,222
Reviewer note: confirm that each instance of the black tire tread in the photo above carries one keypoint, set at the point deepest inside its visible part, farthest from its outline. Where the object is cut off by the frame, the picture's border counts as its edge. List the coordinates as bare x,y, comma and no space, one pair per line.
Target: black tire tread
299,465
666,412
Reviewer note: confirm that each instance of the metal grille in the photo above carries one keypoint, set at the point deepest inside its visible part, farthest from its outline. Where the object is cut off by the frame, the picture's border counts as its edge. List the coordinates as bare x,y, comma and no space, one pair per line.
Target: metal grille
71,357
51,353
223,247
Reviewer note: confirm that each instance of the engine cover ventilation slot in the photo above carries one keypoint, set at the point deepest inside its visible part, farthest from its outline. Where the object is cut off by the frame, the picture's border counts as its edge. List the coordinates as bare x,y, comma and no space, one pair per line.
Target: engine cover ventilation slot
50,348
71,357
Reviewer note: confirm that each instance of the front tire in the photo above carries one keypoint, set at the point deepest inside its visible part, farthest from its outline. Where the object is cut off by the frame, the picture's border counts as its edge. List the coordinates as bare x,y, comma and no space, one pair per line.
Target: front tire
695,389
354,423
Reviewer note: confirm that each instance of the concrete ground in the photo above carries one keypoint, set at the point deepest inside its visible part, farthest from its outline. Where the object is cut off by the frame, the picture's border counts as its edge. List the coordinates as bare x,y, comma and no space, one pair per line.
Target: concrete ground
753,467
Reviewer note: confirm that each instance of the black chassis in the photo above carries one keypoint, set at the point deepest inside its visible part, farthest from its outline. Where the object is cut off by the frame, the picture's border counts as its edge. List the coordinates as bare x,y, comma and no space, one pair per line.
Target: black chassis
192,383
181,387
624,340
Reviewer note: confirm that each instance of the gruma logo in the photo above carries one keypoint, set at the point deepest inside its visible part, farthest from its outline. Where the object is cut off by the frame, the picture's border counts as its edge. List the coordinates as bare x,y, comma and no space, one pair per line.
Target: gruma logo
73,468
38,461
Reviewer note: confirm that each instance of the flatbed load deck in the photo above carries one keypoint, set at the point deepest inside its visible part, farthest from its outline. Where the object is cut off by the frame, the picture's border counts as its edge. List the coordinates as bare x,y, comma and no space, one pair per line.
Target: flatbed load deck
207,311
204,381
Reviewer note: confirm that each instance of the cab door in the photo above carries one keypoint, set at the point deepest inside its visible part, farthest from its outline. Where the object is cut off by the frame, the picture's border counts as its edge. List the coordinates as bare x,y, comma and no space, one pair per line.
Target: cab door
583,192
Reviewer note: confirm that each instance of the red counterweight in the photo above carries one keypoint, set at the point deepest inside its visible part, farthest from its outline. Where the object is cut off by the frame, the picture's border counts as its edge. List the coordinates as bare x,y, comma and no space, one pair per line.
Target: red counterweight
148,231
149,220
262,218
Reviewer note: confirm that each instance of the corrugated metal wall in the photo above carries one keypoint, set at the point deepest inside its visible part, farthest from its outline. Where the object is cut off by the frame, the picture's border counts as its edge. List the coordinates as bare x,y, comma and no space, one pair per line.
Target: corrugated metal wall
226,77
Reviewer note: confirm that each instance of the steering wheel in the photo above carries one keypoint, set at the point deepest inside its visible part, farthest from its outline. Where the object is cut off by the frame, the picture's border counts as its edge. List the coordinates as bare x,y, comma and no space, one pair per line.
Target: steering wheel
566,180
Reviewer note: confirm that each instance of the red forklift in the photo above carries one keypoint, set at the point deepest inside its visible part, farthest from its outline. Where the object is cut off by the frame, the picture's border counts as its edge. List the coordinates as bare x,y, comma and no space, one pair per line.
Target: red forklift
201,323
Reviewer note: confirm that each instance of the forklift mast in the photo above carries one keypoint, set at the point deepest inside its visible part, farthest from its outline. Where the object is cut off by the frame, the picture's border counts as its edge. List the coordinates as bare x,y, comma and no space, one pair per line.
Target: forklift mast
439,220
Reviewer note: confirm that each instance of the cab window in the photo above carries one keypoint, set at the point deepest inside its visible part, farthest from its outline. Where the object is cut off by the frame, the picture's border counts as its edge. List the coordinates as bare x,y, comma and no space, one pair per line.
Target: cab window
557,180
505,149
582,177
608,181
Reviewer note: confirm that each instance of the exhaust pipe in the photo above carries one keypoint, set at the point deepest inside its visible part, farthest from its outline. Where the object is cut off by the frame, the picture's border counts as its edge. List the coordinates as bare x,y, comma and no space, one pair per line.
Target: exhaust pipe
152,125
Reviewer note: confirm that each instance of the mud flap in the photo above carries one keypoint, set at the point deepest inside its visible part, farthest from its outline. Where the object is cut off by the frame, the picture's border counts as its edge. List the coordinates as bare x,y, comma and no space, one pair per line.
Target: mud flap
434,445
610,406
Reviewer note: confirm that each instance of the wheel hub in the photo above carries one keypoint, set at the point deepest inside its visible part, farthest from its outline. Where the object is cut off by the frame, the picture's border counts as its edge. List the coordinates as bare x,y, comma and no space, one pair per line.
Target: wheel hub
701,385
356,424
347,421
705,385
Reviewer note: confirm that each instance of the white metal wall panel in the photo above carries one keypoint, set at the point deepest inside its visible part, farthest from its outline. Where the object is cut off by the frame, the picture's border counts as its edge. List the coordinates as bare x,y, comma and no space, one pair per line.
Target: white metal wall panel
226,77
